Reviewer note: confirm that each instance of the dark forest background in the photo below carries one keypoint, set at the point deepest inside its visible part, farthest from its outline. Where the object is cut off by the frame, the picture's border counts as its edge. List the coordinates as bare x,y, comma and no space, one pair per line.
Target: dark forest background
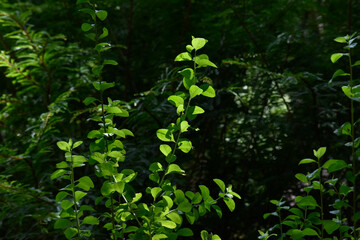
273,104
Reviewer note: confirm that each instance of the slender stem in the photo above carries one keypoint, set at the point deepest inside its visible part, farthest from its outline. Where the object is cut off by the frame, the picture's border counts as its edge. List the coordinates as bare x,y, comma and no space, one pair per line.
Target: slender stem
321,200
73,193
178,136
104,127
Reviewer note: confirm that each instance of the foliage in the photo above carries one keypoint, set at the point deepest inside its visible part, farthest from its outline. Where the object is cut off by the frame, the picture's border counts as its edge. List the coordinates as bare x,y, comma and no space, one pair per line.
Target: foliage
273,101
334,180
127,216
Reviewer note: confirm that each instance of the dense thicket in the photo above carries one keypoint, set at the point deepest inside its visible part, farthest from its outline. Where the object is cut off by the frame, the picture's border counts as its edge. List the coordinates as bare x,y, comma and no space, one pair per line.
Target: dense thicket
273,104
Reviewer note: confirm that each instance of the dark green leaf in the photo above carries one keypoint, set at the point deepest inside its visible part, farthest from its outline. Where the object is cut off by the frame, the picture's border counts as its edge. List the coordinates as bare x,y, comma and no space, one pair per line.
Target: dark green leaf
70,233
85,183
91,220
185,232
62,223
101,14
86,27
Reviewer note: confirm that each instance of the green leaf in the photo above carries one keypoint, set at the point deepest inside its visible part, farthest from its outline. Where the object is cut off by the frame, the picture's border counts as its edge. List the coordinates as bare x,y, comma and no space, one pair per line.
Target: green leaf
220,183
66,204
118,155
194,110
62,164
76,144
63,146
110,62
107,168
320,152
192,216
100,47
119,187
185,56
345,129
97,70
91,220
155,192
60,196
88,11
113,110
79,195
307,160
345,190
174,168
159,236
205,193
198,43
189,48
168,224
188,77
185,206
70,233
165,135
347,91
86,208
357,63
204,235
94,134
127,132
230,203
185,232
205,63
87,101
330,226
334,165
101,14
215,237
336,56
169,201
176,100
165,149
107,188
58,173
301,177
309,232
78,159
85,183
308,201
338,73
104,34
62,223
103,85
175,217
340,40
195,91
156,167
234,194
184,125
86,27
208,90
185,145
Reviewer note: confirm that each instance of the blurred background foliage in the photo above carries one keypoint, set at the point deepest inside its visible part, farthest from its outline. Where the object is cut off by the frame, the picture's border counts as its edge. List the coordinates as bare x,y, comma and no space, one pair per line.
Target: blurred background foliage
273,104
